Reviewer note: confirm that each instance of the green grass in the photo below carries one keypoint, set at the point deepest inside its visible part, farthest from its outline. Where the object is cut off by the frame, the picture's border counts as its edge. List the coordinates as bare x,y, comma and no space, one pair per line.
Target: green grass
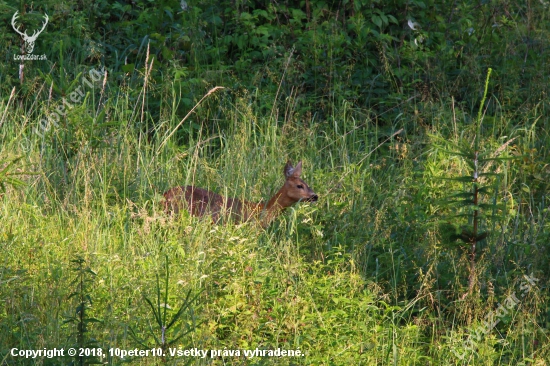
364,276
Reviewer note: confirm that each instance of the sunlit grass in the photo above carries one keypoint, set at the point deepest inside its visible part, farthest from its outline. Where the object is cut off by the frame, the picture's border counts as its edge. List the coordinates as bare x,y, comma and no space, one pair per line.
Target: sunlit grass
360,277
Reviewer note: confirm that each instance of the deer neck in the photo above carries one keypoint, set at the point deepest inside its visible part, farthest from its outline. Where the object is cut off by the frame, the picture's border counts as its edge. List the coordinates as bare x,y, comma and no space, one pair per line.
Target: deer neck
270,210
266,212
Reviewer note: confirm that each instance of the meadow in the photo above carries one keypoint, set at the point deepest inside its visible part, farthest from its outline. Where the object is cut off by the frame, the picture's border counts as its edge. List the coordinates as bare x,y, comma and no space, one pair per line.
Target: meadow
429,244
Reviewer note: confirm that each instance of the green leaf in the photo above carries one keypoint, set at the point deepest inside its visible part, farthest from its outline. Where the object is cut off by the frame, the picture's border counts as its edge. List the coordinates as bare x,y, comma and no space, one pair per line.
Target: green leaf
503,158
464,179
157,316
128,67
462,195
377,20
392,19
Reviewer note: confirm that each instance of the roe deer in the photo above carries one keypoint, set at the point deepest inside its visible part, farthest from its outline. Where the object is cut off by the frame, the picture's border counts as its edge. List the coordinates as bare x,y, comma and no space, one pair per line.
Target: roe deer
200,202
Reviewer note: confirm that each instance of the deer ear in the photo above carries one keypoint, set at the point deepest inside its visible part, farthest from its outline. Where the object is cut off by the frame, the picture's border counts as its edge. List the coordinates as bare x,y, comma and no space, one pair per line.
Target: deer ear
297,171
289,169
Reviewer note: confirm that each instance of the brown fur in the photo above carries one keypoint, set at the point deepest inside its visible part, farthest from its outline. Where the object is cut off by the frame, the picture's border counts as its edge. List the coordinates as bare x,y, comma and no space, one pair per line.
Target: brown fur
200,202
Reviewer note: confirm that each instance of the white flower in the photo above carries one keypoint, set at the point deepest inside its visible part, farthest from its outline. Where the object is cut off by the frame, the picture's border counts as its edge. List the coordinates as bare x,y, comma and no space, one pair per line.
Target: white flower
418,40
413,25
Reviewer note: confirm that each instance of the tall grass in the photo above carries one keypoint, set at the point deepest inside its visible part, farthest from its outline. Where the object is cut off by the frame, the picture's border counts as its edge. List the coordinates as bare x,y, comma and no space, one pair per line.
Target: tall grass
361,277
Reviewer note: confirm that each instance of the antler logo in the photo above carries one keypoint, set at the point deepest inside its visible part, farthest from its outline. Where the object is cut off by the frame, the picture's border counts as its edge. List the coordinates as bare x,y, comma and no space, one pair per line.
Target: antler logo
29,40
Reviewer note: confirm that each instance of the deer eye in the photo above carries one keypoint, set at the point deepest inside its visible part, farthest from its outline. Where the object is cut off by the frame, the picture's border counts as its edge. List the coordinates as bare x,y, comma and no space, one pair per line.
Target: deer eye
299,186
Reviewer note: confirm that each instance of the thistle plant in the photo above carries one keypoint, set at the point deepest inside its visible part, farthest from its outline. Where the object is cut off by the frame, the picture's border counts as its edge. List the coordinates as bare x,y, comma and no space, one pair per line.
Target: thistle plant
169,330
473,202
83,282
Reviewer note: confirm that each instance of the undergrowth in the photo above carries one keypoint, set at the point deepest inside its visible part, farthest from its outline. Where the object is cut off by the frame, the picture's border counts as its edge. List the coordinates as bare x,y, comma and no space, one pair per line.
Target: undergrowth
366,275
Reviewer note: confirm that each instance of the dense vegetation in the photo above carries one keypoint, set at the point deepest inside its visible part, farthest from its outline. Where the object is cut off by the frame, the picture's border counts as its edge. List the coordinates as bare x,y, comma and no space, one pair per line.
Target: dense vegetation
422,126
